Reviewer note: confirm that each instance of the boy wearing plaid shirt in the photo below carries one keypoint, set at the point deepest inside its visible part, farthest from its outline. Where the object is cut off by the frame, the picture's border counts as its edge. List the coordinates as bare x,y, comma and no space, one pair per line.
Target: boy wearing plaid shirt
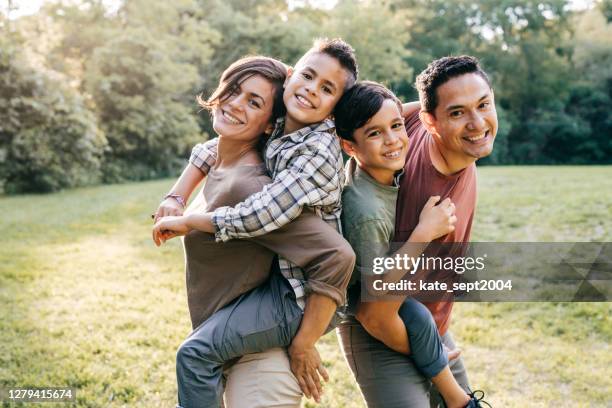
303,157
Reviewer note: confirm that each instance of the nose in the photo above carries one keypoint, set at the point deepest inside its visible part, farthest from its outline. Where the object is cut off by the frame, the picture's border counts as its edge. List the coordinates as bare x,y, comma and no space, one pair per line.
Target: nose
390,138
237,102
476,122
310,89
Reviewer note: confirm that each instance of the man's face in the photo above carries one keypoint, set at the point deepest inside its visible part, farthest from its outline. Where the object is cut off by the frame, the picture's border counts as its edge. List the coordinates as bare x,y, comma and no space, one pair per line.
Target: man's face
465,120
381,145
313,89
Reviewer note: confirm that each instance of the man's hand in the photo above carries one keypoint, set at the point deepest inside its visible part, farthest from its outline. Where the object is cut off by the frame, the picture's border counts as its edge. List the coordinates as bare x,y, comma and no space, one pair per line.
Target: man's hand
306,365
169,227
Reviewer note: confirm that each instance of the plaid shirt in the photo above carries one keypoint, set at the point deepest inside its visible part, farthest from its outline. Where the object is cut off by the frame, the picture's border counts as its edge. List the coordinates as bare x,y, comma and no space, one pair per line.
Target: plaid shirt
307,170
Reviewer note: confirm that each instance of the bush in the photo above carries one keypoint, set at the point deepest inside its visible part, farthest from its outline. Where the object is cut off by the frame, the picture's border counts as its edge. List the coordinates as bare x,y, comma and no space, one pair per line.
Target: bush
49,140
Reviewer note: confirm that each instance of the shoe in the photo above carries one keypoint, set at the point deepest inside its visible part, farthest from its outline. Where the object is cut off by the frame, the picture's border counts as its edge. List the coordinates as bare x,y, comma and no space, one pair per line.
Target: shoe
477,401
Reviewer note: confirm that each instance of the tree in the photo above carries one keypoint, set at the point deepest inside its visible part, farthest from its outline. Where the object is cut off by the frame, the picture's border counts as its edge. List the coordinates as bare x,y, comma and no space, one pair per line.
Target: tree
48,138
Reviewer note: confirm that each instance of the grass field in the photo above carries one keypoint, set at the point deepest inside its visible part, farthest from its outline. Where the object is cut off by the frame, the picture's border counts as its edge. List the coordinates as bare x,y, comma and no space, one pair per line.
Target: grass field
87,301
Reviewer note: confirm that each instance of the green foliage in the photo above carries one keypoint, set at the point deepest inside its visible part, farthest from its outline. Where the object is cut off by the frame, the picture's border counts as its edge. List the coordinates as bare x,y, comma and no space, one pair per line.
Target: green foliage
137,69
48,138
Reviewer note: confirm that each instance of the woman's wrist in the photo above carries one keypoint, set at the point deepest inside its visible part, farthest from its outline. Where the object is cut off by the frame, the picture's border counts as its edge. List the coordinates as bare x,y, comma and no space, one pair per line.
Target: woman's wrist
176,197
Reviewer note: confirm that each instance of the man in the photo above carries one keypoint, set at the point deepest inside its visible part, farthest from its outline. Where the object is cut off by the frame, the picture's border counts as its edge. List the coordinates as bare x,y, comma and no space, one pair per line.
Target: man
455,126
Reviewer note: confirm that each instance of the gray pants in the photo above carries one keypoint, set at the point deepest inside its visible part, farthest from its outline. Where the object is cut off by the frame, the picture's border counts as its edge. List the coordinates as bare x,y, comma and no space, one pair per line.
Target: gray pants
389,379
266,317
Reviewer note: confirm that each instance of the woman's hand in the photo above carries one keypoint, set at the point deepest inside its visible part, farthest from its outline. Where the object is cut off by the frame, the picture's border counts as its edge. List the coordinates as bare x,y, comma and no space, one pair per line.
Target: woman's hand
436,221
169,227
169,207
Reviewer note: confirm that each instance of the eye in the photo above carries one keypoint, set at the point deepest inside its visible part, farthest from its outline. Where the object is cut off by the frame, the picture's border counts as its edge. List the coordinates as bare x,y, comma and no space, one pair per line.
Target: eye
327,90
484,105
397,125
374,133
254,103
307,76
456,114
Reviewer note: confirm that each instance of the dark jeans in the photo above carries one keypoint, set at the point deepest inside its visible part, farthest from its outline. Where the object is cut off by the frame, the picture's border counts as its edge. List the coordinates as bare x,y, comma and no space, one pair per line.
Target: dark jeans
266,317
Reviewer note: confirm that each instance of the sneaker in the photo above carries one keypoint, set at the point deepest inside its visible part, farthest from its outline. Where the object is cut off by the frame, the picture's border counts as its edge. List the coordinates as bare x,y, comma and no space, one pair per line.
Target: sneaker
477,401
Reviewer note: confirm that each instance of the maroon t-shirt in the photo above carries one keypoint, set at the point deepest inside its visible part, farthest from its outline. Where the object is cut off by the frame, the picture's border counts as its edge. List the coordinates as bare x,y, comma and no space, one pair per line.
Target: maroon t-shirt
420,181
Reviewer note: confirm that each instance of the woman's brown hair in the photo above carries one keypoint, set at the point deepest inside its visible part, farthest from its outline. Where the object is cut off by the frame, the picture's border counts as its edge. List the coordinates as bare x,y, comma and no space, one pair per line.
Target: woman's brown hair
241,70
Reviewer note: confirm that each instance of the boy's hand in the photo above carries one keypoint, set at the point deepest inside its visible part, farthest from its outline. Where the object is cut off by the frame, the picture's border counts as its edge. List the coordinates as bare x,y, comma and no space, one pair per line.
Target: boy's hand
169,227
436,221
306,365
167,208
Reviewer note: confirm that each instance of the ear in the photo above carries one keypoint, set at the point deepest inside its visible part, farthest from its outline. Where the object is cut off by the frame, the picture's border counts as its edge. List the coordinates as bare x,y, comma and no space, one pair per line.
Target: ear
290,71
348,147
428,120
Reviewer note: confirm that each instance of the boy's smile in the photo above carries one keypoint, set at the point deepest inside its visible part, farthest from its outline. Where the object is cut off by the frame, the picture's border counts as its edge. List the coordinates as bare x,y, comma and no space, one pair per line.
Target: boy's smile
312,90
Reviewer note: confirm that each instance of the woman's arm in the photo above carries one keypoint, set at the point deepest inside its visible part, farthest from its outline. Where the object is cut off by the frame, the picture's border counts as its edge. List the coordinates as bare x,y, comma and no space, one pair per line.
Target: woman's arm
183,188
203,157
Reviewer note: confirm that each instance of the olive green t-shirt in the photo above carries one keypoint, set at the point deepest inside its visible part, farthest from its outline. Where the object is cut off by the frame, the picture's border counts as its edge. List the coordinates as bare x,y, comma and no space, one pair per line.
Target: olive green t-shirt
368,222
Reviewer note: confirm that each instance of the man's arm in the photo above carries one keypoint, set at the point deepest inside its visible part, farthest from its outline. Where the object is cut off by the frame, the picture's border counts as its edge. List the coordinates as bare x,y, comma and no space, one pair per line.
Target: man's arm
410,108
312,178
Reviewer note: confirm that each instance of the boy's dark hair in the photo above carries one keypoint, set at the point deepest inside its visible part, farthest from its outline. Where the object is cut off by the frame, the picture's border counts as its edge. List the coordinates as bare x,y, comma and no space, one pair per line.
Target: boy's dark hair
241,70
441,71
358,105
343,52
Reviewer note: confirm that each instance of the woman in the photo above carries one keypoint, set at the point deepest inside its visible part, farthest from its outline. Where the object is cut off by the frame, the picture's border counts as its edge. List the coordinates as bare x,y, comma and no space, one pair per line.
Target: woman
244,108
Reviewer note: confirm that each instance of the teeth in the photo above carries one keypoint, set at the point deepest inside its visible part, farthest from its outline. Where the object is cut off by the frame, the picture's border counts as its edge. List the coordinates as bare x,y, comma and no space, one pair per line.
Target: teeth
304,101
231,118
477,138
393,155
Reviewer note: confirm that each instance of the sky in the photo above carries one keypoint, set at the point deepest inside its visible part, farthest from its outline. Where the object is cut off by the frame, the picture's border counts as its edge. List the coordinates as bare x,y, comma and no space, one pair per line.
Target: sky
27,7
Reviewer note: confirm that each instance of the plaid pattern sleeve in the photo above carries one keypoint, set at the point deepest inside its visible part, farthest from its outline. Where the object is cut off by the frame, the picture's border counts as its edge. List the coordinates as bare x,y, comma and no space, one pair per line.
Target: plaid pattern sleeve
204,155
309,174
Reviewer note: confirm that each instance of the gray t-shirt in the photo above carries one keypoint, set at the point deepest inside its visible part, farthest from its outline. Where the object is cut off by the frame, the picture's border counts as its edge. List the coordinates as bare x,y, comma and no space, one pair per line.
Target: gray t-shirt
368,222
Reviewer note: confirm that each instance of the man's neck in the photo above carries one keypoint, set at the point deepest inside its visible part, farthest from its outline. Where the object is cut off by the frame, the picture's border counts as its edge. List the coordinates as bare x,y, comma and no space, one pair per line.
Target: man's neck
447,162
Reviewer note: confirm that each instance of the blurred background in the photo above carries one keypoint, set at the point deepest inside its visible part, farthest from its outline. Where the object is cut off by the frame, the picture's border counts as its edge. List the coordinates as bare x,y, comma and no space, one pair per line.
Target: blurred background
103,91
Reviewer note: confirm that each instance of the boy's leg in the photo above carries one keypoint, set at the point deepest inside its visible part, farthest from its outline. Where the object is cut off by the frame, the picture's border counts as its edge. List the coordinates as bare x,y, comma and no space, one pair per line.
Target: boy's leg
386,378
457,368
426,348
262,380
263,318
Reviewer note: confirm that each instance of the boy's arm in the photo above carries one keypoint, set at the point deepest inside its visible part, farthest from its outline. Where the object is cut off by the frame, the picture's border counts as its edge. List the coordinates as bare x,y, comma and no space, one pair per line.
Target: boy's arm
312,178
325,257
378,317
204,155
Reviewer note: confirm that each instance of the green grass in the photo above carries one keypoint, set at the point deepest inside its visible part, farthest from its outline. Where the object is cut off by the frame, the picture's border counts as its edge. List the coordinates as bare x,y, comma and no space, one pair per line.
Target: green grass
87,301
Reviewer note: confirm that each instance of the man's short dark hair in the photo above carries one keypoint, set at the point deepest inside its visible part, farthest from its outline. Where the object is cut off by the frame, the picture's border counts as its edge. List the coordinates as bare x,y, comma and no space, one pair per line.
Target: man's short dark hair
358,105
341,51
441,71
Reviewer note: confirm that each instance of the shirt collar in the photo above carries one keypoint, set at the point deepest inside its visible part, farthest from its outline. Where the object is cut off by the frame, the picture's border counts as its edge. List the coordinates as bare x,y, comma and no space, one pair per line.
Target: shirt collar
299,135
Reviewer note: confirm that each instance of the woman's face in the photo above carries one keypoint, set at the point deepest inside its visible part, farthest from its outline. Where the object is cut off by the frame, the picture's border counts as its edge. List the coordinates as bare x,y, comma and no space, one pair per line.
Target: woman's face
246,113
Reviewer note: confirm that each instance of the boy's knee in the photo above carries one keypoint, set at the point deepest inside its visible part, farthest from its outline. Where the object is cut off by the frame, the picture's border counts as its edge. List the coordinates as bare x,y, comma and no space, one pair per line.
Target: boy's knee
193,350
414,312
